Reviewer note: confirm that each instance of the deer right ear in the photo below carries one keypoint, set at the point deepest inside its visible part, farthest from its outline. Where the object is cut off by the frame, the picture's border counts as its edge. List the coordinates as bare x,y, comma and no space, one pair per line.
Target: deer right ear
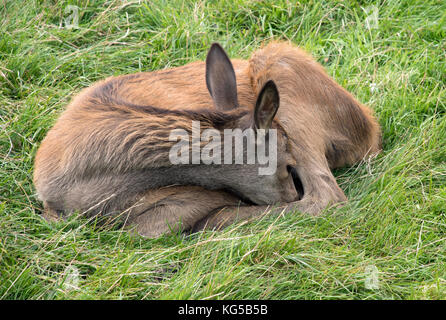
266,106
220,79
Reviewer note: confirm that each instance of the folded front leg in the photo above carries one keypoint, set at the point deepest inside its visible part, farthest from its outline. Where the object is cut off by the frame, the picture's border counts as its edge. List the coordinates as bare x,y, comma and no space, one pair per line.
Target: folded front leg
171,209
223,217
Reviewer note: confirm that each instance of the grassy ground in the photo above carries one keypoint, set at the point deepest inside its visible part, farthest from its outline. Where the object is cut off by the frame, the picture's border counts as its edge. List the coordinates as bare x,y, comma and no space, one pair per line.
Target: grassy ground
394,226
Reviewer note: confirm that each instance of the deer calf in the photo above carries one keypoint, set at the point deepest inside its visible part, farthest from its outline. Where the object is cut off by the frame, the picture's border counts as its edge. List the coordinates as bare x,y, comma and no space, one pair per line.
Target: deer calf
326,126
108,153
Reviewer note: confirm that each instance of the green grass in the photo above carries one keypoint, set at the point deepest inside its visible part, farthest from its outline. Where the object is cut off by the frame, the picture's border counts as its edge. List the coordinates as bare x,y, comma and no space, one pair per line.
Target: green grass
396,217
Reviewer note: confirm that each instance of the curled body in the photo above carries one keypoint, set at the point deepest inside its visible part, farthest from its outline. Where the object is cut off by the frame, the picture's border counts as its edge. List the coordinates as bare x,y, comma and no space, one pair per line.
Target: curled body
108,152
324,126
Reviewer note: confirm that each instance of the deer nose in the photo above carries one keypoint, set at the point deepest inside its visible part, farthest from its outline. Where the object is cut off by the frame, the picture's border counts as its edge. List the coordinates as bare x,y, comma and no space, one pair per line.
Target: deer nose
293,198
290,194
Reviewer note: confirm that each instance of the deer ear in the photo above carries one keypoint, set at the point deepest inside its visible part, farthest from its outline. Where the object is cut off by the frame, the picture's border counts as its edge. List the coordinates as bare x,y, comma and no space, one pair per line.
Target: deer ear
220,79
266,106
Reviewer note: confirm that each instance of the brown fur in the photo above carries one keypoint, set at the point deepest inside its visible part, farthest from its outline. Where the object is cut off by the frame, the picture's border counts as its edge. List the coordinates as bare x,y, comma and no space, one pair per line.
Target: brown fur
107,153
327,128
